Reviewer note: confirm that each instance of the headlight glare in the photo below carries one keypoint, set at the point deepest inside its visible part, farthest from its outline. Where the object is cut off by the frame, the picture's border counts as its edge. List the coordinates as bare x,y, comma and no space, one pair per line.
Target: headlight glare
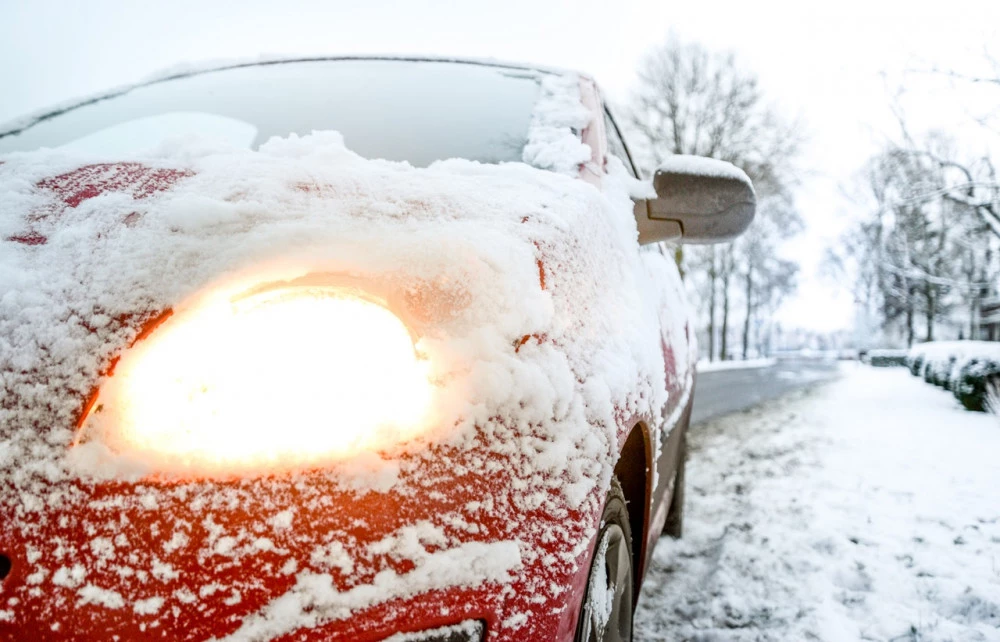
283,378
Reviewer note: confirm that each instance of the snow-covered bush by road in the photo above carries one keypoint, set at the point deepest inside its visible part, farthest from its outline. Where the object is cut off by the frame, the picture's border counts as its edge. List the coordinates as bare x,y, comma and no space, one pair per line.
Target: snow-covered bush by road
866,510
883,358
966,368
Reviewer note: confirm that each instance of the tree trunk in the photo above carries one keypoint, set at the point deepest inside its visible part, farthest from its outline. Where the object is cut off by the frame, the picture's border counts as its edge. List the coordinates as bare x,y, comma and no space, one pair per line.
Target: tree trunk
712,278
974,294
725,316
909,318
929,310
973,305
746,321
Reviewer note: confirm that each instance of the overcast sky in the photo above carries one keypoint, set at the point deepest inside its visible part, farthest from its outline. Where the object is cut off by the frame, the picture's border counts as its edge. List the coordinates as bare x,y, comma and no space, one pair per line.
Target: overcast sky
827,63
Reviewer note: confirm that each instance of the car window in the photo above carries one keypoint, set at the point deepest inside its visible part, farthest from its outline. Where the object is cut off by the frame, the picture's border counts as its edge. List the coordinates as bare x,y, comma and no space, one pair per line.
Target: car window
616,146
401,110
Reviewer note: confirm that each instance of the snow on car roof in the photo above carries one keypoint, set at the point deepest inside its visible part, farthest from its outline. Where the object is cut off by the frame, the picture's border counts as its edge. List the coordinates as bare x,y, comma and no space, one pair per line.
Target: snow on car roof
702,166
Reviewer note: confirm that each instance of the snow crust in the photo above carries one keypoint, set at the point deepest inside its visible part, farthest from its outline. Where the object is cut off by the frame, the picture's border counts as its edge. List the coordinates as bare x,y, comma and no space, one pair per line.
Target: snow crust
524,287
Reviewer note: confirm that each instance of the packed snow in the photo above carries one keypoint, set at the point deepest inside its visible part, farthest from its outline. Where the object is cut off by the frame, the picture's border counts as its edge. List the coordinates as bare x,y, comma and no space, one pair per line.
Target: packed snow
520,285
863,510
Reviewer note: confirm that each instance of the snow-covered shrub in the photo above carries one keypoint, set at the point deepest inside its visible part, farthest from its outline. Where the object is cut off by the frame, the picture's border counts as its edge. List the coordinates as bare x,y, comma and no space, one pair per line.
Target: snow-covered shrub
941,362
887,358
993,397
939,371
928,372
977,378
915,362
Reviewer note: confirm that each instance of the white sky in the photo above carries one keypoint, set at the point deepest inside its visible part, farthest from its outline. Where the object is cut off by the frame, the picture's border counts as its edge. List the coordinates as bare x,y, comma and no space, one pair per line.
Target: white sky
821,62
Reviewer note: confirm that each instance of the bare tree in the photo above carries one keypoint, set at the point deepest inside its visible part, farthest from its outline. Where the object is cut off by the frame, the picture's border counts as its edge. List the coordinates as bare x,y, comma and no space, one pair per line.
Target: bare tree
970,182
767,278
727,268
918,255
691,100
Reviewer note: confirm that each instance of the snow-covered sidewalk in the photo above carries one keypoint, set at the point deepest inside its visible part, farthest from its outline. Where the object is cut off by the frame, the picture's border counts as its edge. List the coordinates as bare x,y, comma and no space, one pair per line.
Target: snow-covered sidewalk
868,509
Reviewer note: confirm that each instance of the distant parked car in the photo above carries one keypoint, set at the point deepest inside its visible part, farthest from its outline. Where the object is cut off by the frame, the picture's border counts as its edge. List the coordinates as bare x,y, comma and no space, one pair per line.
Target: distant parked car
261,387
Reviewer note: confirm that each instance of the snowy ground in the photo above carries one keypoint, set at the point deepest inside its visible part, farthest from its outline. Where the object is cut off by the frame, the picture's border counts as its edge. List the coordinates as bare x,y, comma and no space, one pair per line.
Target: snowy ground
866,509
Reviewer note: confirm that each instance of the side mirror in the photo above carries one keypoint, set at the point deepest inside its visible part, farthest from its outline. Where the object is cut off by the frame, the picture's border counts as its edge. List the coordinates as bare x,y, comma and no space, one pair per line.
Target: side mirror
698,200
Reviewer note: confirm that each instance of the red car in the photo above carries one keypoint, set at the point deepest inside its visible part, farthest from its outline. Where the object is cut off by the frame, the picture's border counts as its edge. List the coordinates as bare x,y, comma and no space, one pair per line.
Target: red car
427,378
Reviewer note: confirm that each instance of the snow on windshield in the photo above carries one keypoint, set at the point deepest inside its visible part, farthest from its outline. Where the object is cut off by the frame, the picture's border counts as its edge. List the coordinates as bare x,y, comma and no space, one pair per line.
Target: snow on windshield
151,131
417,111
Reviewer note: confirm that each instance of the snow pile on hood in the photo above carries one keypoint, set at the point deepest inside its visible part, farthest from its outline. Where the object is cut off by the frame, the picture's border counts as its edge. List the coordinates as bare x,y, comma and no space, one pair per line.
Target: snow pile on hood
536,272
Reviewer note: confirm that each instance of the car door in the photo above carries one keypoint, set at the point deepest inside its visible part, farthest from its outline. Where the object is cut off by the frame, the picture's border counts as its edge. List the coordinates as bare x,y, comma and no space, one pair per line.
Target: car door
676,342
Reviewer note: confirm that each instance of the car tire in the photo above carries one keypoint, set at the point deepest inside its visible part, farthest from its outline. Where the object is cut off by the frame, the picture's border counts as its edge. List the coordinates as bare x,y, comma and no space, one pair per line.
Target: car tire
606,611
674,526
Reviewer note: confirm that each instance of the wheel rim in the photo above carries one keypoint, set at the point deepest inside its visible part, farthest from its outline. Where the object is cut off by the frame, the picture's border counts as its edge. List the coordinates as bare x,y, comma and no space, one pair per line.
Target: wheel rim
607,612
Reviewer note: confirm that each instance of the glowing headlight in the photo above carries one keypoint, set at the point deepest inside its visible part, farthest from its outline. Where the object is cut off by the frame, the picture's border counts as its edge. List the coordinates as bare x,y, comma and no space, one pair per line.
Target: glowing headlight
284,378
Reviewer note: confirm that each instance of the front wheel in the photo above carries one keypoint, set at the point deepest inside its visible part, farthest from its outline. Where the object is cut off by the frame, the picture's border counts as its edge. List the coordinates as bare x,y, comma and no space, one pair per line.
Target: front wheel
606,612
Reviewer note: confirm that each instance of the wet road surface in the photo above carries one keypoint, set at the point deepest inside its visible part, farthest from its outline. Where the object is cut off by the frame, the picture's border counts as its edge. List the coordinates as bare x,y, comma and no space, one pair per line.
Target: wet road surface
722,392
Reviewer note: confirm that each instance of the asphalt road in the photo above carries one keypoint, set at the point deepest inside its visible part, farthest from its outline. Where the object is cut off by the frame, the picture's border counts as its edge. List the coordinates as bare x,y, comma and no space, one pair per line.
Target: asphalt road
722,392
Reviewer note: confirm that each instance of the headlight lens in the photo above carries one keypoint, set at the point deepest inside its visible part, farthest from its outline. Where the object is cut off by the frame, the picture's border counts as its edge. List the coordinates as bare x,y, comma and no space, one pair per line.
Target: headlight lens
285,378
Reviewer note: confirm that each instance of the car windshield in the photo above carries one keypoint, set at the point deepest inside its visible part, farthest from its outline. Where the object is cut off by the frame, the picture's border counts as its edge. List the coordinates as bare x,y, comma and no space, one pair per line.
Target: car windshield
401,110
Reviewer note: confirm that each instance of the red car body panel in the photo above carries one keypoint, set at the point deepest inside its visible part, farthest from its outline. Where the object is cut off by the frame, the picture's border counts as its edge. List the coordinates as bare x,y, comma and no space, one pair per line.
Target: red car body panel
543,600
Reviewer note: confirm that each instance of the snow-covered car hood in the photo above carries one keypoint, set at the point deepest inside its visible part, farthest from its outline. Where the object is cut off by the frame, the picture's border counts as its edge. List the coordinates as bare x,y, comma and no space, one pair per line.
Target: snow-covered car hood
529,296
518,280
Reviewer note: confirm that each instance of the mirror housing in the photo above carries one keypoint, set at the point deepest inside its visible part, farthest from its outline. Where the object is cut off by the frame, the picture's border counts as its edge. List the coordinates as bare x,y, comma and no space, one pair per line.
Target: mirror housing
698,200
